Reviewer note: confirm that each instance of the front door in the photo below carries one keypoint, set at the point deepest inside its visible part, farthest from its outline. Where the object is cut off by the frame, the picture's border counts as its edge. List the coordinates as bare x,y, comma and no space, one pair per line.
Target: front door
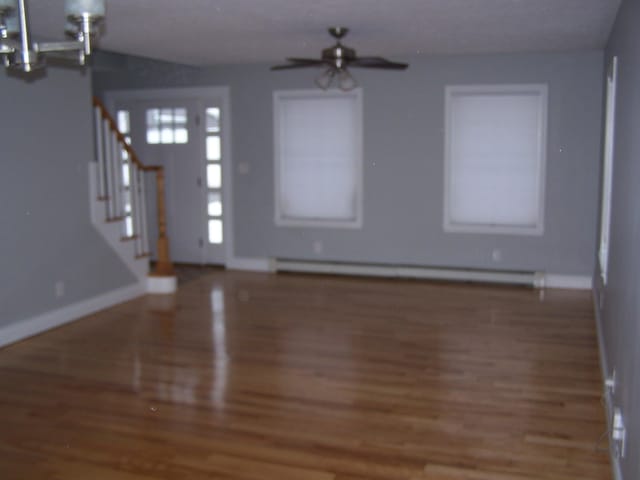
183,135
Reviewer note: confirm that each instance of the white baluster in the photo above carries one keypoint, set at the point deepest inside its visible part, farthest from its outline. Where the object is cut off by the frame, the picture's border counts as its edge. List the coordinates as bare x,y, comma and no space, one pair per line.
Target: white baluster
100,153
143,214
122,190
108,170
134,187
116,171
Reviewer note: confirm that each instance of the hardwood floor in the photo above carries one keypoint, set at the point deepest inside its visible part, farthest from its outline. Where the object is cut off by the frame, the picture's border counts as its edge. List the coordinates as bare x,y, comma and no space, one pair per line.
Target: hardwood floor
252,376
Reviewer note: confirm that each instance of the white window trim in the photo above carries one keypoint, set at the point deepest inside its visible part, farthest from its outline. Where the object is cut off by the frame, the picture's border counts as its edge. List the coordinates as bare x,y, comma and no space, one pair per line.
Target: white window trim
607,168
282,221
542,91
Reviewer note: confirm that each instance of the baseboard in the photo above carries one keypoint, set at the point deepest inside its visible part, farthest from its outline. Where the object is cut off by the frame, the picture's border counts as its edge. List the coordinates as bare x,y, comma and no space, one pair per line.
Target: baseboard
250,264
27,328
571,282
604,370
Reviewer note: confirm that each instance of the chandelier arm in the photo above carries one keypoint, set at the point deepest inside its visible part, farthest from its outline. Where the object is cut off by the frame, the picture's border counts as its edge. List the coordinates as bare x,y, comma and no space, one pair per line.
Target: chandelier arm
68,57
28,57
17,49
53,47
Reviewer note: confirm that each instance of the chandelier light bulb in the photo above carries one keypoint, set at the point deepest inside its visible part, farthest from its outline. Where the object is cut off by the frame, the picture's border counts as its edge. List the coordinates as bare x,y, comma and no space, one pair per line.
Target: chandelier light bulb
80,8
8,4
13,26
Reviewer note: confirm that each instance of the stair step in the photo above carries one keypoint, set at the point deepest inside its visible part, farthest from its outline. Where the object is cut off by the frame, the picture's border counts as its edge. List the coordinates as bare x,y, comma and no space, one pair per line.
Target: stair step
128,239
114,219
143,255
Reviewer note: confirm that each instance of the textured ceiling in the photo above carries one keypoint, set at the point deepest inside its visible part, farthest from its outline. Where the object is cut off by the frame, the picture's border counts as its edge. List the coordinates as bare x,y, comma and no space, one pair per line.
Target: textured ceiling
207,32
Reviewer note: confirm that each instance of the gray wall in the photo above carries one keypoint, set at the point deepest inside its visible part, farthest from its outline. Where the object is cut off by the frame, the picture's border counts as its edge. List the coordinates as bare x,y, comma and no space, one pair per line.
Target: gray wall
403,160
46,140
619,311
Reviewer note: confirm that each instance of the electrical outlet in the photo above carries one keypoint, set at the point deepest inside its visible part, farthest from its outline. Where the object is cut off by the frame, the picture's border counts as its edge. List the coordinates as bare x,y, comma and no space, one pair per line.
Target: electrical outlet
59,288
496,255
610,382
618,433
318,247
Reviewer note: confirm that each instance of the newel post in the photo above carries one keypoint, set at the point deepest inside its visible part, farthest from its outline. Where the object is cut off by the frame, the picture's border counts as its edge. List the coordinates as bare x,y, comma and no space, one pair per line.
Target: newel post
164,267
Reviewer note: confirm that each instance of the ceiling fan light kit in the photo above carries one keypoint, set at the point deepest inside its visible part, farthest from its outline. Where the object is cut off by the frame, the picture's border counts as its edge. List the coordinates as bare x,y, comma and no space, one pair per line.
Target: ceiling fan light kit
19,52
345,80
337,60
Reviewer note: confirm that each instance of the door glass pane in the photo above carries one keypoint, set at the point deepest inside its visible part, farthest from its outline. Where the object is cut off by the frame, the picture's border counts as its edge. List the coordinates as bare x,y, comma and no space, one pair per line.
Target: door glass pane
215,231
180,116
213,148
153,117
166,135
214,176
213,120
153,136
215,204
181,135
166,116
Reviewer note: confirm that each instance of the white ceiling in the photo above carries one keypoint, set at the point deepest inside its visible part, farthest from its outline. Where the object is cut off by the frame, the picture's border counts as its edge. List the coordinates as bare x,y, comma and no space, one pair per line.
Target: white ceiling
208,32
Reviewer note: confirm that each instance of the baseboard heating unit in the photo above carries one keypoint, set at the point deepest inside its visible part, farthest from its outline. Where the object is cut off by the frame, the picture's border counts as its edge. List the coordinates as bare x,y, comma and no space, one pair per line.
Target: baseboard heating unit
533,279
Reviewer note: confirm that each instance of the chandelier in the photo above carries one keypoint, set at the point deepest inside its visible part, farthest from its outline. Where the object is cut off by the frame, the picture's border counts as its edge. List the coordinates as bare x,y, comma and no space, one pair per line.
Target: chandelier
19,52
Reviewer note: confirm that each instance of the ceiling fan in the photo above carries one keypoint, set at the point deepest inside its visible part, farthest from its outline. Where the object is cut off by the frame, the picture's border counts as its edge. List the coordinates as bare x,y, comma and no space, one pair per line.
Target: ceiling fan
337,60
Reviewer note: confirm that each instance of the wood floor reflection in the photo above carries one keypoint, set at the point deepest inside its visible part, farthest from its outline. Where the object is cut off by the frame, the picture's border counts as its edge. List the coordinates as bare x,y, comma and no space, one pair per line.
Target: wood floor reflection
288,377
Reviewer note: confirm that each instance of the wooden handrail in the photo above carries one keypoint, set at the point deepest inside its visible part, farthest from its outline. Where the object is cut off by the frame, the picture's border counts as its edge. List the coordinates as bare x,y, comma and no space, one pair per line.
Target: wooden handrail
164,266
114,128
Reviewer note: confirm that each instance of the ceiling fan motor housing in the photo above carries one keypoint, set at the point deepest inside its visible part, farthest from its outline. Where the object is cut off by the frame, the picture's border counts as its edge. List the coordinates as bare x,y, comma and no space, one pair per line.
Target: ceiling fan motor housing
338,55
339,58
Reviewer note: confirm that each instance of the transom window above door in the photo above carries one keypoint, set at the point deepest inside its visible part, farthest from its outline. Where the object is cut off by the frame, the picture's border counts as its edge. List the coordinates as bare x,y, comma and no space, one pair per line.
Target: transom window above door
167,126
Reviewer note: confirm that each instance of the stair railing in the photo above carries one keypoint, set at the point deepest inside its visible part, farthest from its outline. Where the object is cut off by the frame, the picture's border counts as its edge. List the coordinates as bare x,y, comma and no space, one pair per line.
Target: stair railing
121,185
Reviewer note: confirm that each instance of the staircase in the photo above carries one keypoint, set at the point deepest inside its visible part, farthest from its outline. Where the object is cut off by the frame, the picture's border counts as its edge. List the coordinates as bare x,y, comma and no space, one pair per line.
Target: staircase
119,204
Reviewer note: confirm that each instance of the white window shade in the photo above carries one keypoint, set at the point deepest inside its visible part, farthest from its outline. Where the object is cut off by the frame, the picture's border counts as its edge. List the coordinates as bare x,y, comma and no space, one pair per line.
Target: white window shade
495,159
318,159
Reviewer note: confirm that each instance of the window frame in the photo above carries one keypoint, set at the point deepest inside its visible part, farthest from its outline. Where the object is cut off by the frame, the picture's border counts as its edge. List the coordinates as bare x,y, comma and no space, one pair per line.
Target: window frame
279,218
542,91
218,162
608,155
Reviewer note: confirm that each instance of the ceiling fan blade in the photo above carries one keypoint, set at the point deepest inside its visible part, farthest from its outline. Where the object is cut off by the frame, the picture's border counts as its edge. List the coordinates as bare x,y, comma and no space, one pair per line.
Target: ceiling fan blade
377,62
300,63
339,58
293,65
313,61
